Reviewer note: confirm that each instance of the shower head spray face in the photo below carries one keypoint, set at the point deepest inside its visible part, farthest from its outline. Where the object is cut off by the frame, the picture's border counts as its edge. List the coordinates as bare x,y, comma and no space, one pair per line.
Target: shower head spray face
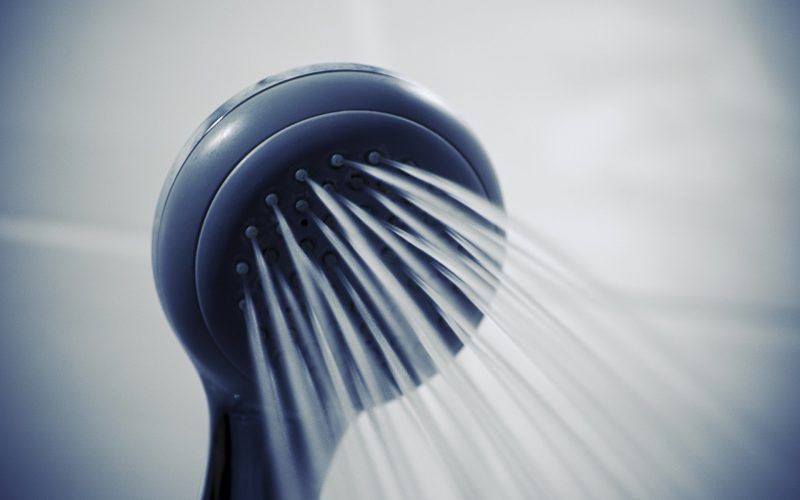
265,173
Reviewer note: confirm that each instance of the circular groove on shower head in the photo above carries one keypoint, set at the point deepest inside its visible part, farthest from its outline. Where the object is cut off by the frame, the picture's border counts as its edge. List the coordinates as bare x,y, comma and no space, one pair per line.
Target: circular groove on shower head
272,167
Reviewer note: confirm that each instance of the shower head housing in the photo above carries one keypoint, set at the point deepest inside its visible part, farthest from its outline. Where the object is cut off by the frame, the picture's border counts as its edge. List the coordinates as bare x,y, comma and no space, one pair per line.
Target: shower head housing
248,151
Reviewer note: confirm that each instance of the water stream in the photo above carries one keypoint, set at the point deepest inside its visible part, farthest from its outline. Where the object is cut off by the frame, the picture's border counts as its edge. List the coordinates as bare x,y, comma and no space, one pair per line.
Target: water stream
556,393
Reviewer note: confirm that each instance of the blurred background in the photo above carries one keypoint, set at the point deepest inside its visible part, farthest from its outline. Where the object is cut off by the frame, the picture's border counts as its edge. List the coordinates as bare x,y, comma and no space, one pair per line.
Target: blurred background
655,143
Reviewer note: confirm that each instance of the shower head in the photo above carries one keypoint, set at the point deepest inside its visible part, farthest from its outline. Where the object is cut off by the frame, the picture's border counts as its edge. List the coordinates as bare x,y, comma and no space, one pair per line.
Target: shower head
250,172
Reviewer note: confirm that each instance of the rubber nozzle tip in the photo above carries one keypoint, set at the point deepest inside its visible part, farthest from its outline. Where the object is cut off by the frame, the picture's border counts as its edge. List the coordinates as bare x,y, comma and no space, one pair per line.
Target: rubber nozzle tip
301,205
271,199
251,232
337,160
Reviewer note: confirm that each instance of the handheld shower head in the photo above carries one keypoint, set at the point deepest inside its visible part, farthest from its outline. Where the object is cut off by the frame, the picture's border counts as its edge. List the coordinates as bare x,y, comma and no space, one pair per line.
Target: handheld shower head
256,174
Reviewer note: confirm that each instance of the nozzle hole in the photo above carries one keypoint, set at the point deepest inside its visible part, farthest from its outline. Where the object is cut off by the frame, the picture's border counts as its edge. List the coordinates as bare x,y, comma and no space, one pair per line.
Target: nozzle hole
307,245
356,182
